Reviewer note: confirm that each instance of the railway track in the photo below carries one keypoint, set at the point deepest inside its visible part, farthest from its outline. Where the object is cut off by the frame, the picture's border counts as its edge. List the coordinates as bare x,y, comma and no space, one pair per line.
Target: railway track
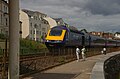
39,62
25,57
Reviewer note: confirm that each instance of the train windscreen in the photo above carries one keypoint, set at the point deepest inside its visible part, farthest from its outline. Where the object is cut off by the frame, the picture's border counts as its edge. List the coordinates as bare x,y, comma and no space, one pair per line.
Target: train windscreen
55,32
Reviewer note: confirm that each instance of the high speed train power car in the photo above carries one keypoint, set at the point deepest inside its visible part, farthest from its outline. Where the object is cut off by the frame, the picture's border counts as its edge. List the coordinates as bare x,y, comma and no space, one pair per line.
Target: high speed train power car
70,37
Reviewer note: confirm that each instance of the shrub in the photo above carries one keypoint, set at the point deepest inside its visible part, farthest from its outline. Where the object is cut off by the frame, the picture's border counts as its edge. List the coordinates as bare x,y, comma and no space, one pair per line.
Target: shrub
31,47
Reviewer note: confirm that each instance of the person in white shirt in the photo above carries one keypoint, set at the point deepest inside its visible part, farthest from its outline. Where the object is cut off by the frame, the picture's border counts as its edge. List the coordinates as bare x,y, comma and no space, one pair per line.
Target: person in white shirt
104,51
77,54
83,50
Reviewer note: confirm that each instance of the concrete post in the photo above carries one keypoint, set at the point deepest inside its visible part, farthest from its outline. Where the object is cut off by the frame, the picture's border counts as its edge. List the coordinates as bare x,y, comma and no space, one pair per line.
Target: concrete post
13,69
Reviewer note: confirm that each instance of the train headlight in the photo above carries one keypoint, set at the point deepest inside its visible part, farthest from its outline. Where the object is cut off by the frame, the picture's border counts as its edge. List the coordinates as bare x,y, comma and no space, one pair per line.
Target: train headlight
47,40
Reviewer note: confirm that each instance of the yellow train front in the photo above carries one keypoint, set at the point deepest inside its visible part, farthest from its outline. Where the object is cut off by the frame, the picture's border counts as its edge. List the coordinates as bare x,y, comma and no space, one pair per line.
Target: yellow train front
56,36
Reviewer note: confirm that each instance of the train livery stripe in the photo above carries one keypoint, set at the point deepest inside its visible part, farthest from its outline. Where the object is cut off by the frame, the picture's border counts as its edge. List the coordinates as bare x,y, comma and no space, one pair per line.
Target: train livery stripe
61,37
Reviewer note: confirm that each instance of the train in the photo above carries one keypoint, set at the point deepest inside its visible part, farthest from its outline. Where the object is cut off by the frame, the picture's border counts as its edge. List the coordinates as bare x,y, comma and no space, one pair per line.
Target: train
64,36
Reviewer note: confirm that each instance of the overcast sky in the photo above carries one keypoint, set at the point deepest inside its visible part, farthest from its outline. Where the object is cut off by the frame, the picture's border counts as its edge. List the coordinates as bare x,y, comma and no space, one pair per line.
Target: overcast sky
93,15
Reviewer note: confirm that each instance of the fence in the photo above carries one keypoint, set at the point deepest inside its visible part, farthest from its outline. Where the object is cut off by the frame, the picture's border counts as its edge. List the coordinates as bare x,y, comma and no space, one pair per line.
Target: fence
112,67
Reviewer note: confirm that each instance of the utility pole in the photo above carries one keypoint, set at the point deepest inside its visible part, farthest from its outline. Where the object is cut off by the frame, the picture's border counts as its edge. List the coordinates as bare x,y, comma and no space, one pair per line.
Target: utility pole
13,67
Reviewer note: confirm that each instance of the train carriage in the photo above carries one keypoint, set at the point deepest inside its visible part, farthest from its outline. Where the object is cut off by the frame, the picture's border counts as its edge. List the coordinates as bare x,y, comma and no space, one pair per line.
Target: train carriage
97,41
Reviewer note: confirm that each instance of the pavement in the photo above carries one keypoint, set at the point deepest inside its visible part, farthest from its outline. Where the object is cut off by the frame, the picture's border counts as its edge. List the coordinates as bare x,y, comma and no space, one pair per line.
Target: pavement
72,70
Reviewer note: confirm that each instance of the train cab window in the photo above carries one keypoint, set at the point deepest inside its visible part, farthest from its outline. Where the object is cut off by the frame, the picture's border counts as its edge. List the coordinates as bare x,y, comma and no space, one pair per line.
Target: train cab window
55,32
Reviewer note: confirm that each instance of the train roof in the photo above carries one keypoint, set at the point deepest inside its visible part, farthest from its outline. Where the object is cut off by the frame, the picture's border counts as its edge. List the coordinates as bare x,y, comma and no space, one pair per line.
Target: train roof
69,28
73,28
66,27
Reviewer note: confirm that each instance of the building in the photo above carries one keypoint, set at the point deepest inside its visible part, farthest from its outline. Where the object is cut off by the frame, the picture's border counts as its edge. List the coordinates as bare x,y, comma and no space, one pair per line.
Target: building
51,21
59,21
117,35
100,34
108,35
33,26
103,34
4,17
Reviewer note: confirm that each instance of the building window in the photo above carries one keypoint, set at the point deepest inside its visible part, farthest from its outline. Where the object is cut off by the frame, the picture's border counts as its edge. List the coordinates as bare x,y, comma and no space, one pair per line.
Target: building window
37,32
40,32
6,32
35,26
4,9
34,31
34,17
31,24
43,29
40,26
1,18
6,22
31,32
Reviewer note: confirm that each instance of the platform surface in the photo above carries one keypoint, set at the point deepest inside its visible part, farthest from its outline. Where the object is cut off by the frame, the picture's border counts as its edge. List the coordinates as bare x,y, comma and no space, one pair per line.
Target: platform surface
72,70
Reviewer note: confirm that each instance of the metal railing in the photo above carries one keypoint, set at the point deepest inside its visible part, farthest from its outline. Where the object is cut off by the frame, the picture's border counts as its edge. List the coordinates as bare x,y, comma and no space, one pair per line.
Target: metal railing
108,67
112,67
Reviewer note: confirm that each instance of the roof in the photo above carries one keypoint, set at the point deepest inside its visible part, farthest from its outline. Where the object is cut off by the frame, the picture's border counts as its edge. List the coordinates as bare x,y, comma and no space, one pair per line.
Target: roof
84,31
31,13
28,12
57,19
117,33
73,28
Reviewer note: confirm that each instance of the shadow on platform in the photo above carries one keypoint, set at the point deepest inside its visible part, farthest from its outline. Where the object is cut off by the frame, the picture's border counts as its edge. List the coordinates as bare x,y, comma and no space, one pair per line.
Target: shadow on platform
51,76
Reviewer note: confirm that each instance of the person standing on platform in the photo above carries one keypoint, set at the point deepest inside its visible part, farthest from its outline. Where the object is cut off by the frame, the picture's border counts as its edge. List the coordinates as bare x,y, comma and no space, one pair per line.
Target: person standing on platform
104,51
83,50
77,54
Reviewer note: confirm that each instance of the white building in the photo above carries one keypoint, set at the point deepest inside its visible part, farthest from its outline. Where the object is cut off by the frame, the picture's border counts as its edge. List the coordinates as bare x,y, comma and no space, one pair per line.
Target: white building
4,17
33,24
117,35
51,21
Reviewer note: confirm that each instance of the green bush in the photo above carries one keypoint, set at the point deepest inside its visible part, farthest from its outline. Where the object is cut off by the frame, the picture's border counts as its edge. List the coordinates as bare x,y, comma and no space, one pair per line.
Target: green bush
3,36
31,47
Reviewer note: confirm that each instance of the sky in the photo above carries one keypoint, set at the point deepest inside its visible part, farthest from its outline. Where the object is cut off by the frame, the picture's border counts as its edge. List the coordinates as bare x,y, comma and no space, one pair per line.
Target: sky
93,15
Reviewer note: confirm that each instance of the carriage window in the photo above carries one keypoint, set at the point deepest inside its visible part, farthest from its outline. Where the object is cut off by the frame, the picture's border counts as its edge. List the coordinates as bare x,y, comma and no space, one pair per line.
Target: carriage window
83,40
67,35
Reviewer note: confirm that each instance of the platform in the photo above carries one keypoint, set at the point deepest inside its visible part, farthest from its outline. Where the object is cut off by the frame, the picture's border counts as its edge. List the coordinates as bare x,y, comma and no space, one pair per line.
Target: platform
72,70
